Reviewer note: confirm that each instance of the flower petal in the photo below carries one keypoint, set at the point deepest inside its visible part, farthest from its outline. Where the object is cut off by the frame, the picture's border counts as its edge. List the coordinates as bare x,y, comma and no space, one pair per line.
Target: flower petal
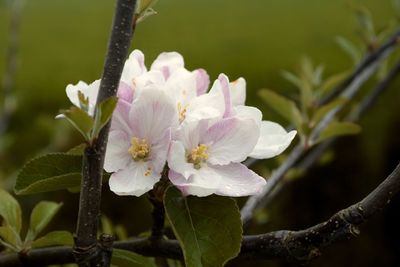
238,91
117,156
167,63
120,118
273,140
203,183
159,151
134,66
231,140
237,180
72,91
177,160
125,92
135,180
202,81
248,112
89,91
152,112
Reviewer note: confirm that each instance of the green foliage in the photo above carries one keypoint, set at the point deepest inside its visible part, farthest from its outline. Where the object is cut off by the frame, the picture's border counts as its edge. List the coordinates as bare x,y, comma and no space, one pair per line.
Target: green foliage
49,173
88,126
209,229
350,48
338,129
320,112
124,258
10,211
55,238
41,216
282,105
144,9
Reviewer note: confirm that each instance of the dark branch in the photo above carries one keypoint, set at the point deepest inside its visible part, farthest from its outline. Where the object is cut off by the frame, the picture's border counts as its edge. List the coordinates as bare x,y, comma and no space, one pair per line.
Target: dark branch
87,250
374,56
302,245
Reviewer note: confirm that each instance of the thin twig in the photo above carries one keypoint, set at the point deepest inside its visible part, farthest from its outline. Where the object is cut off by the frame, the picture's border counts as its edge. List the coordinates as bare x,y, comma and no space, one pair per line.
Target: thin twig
87,251
353,84
302,245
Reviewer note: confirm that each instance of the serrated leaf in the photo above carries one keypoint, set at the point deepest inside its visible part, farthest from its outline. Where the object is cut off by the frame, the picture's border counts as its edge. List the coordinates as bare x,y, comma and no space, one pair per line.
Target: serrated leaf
209,229
41,216
349,48
338,129
285,107
80,120
10,236
77,150
49,173
55,238
10,211
124,258
323,110
104,113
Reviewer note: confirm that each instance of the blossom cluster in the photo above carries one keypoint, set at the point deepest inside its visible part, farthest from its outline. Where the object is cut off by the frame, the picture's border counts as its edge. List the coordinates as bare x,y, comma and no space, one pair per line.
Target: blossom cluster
168,114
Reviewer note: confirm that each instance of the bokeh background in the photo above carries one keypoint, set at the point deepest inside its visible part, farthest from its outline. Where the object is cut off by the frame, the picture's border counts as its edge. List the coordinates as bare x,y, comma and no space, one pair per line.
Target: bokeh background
62,42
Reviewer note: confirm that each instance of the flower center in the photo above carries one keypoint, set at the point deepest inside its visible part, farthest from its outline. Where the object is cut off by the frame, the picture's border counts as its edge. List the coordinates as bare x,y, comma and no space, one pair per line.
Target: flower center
139,149
182,111
198,155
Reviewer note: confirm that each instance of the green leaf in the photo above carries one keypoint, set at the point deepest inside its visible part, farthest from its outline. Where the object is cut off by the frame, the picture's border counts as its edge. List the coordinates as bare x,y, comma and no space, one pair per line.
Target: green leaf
285,107
55,238
104,112
124,258
77,150
323,110
9,236
337,129
10,211
41,216
332,81
349,48
292,78
80,120
145,9
209,229
49,173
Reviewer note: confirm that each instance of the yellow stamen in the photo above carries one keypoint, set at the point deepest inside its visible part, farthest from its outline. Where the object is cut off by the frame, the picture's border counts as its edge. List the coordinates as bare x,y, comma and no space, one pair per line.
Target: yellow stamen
182,111
198,155
139,149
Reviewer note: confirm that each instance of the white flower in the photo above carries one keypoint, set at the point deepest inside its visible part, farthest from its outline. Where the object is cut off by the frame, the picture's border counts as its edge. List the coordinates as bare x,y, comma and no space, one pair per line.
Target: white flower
205,157
89,92
138,142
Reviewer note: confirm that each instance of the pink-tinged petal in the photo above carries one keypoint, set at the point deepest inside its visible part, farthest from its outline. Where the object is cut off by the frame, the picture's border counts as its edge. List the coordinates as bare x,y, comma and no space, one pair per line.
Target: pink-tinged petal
159,151
117,155
231,140
189,133
204,183
167,63
238,91
152,112
177,160
237,180
224,82
273,140
125,92
120,118
248,112
202,81
135,180
134,66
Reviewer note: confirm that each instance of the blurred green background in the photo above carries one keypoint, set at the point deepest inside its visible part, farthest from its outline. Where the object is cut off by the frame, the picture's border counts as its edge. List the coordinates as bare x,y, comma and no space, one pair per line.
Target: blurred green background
63,42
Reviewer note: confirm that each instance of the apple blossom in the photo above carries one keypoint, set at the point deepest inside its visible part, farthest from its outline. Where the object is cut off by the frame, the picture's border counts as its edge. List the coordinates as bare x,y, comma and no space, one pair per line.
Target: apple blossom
138,142
205,157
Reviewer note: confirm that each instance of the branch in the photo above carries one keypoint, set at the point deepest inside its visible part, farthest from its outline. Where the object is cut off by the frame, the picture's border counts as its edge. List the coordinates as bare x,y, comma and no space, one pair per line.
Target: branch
87,251
376,55
302,245
346,90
